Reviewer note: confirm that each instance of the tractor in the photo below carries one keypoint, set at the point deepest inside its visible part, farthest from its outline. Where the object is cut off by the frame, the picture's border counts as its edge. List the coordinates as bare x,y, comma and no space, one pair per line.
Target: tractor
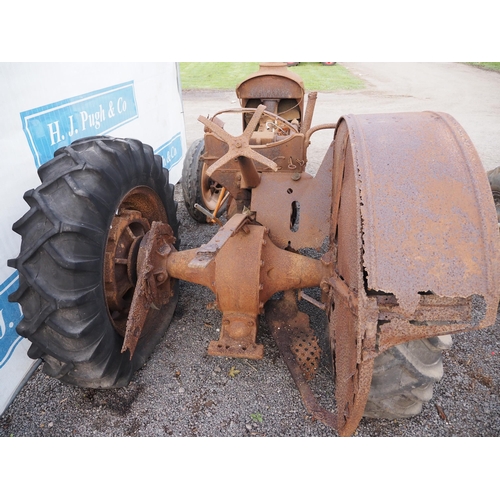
395,230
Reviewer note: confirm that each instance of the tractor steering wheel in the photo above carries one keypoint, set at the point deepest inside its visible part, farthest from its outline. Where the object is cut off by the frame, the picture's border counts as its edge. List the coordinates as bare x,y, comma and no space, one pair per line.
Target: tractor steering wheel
240,145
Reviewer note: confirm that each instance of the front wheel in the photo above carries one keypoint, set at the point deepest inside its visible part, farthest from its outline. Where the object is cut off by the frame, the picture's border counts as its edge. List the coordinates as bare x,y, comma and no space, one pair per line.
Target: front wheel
78,257
197,186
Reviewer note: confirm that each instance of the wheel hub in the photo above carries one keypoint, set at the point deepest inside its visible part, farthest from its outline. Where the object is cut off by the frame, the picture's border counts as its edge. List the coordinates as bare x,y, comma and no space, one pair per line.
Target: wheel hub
126,233
133,219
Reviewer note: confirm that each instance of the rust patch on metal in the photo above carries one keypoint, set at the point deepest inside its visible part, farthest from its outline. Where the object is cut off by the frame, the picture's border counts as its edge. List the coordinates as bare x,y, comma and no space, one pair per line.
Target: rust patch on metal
154,286
273,199
239,149
427,218
287,323
434,316
307,352
207,252
237,338
120,262
138,209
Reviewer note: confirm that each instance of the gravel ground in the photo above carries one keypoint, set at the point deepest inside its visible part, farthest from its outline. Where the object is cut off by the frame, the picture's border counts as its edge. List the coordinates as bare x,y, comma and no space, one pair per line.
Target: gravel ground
183,392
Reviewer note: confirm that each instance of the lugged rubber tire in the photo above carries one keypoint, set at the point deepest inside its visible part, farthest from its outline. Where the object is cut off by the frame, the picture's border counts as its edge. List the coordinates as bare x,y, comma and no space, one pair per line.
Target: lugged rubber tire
404,376
194,183
494,179
61,261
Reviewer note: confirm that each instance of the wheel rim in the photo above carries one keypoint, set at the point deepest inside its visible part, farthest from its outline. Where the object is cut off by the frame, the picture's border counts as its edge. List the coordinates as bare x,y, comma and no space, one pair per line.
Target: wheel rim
210,190
132,220
351,317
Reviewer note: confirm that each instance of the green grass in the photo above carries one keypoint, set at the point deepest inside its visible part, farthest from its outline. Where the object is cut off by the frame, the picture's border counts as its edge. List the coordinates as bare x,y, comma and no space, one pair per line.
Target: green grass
494,66
226,76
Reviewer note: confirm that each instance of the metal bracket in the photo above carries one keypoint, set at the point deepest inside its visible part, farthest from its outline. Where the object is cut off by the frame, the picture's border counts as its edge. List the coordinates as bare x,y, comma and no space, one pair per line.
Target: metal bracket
153,288
285,322
208,251
237,338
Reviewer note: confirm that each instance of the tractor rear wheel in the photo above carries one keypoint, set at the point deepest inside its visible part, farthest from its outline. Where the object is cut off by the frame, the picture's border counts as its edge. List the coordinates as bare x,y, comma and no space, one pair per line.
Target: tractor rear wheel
197,186
404,376
400,379
77,263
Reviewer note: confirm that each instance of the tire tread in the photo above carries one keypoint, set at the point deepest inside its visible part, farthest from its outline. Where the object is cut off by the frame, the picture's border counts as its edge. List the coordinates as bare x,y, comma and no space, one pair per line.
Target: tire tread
404,376
60,263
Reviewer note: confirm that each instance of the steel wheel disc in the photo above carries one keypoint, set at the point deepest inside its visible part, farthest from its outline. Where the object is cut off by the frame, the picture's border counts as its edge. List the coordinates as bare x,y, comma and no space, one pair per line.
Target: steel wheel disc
210,190
138,209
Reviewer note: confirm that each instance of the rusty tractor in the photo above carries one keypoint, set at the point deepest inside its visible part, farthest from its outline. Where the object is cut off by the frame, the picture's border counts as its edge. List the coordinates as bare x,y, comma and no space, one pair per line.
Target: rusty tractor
396,232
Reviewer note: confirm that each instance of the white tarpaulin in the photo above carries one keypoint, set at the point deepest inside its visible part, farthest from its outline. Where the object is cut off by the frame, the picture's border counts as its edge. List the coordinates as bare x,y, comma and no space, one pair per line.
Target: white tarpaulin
45,106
